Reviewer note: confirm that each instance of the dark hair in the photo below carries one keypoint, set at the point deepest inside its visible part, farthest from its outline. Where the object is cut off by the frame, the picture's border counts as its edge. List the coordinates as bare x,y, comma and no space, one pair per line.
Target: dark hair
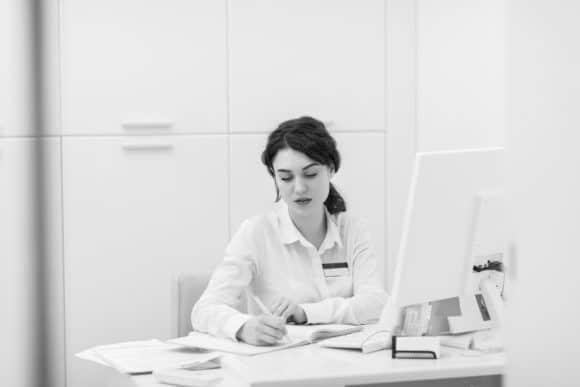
309,136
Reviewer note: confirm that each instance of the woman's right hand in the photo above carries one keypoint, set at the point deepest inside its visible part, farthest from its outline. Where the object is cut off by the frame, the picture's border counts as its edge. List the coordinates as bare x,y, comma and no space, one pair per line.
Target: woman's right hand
262,330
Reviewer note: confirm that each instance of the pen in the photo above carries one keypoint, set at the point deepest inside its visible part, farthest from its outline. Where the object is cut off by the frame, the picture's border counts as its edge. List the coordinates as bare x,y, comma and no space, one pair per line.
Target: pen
265,310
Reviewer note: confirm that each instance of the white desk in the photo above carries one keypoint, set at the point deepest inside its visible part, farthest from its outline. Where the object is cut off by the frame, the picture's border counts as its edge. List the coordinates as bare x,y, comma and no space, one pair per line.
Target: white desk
316,366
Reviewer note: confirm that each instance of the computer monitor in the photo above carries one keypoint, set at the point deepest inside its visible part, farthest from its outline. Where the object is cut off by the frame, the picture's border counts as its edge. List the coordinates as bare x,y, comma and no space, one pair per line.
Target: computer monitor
435,254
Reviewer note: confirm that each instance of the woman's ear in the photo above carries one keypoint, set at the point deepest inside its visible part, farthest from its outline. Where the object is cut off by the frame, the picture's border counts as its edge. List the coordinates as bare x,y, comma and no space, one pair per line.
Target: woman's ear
330,172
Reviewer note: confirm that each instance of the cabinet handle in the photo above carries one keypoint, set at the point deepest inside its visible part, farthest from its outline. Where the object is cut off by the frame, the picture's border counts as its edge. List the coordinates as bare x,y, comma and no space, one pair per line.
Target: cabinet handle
147,124
147,147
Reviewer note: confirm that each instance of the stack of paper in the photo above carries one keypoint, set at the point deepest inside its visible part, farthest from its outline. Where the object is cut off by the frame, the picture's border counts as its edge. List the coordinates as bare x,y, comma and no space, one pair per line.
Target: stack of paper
140,357
181,377
461,341
488,340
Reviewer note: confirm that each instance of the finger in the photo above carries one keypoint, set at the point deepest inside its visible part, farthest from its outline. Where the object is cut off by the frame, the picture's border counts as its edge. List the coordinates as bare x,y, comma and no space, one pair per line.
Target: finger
268,341
286,312
274,305
277,332
274,322
269,334
288,316
272,331
281,308
265,340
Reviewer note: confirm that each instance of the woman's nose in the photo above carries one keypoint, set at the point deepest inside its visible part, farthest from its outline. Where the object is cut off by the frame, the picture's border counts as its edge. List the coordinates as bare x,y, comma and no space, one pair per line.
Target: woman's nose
300,186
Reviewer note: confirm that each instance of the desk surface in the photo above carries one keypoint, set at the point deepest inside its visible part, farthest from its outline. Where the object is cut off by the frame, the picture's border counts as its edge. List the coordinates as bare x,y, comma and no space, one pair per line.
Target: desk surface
316,366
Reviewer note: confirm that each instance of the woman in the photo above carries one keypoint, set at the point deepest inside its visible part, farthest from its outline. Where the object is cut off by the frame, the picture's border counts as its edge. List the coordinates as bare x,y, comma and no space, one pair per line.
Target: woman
308,261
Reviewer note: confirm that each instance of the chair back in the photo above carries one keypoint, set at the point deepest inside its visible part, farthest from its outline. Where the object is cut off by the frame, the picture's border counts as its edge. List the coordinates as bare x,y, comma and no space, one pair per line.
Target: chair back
189,289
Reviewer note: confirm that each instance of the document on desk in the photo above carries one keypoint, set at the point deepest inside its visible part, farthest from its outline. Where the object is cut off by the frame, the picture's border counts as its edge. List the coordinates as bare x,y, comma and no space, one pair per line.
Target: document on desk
313,333
370,339
298,335
141,357
198,340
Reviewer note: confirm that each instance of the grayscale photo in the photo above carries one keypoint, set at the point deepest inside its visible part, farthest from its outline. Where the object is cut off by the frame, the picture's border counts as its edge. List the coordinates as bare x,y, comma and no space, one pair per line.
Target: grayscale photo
289,193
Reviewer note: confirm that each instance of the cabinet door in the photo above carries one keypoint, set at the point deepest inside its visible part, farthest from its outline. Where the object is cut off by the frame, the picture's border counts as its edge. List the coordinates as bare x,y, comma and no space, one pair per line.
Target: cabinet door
253,190
15,68
137,212
135,65
290,58
361,181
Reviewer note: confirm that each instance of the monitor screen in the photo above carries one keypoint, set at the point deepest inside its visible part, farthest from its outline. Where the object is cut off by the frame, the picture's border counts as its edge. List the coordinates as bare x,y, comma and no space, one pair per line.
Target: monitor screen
435,255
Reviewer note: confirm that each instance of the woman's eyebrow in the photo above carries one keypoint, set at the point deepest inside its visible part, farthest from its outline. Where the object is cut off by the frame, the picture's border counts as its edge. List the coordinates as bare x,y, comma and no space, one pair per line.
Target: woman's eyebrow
310,165
289,171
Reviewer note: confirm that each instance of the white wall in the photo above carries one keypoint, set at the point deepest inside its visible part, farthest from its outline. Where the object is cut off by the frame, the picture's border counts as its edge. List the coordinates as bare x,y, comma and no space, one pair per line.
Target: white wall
445,87
543,138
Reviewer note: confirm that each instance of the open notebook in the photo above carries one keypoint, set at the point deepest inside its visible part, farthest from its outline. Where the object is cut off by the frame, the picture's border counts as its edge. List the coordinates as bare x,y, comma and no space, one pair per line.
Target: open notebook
298,334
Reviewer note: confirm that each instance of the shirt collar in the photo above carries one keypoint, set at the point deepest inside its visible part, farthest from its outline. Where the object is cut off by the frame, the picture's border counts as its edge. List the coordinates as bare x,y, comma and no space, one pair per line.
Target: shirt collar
290,234
332,234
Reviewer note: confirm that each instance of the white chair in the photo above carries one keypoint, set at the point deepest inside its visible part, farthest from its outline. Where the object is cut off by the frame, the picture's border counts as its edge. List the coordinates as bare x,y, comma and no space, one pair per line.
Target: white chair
189,288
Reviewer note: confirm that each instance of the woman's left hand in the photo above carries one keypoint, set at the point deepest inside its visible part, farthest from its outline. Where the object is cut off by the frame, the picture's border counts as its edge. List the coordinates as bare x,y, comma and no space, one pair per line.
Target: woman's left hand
288,310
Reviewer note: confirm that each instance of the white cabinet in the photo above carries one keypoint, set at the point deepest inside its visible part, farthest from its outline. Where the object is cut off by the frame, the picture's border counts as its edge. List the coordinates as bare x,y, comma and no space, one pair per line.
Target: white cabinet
290,58
252,188
15,68
143,66
138,211
21,277
360,179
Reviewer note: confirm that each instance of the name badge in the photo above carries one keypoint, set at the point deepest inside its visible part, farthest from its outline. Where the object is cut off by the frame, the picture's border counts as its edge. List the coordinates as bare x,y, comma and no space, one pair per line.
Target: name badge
335,269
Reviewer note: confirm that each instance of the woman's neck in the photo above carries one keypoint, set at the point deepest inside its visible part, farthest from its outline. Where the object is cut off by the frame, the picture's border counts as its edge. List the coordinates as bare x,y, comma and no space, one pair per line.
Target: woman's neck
312,227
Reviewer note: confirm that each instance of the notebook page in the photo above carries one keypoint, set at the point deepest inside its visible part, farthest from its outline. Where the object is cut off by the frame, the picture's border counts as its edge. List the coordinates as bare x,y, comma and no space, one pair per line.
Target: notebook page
320,331
203,340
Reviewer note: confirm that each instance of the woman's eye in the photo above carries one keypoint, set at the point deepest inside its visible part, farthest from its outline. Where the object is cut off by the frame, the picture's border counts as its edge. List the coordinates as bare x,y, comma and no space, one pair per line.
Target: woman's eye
286,178
311,175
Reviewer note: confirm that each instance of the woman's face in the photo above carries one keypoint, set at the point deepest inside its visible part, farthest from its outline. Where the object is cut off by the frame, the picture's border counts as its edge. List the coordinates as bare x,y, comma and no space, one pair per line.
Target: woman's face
303,183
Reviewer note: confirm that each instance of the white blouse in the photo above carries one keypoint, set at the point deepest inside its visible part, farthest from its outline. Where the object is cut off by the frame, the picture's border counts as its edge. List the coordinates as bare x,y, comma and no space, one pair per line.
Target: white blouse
268,257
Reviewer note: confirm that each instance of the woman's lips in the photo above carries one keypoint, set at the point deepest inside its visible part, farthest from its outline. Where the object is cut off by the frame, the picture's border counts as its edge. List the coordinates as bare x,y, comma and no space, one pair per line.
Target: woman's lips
302,201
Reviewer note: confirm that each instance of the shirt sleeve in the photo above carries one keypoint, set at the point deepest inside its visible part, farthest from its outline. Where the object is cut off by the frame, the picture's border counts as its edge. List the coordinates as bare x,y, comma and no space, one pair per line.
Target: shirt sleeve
217,311
369,296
